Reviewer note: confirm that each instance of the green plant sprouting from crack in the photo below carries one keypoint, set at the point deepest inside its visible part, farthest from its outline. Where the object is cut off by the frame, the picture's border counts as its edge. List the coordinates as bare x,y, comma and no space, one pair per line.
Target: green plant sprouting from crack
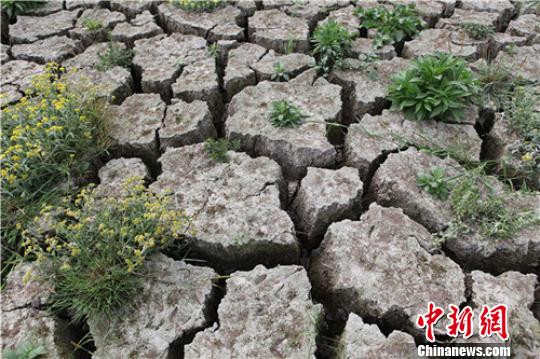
115,55
91,24
331,41
198,5
523,119
479,207
391,26
279,73
213,50
283,114
435,183
217,148
366,61
496,84
477,31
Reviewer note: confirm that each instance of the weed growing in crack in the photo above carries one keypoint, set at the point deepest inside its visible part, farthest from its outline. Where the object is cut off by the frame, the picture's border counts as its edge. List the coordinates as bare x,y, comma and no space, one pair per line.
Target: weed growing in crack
511,49
435,183
96,248
529,6
91,24
437,87
115,55
25,350
368,58
425,143
217,148
391,25
49,143
478,206
478,31
213,50
285,115
330,41
289,47
197,5
496,83
279,73
366,64
523,119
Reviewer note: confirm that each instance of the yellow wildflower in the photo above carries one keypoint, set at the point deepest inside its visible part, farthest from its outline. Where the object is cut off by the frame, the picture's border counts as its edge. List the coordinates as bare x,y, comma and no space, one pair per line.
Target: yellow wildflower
527,157
27,276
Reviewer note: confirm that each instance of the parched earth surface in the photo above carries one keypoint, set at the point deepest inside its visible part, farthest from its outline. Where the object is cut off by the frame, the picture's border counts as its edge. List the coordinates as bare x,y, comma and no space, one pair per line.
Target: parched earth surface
310,242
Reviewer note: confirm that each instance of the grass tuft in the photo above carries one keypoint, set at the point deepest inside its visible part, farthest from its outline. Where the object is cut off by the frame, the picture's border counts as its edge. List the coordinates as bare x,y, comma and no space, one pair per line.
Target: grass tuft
115,55
217,149
91,24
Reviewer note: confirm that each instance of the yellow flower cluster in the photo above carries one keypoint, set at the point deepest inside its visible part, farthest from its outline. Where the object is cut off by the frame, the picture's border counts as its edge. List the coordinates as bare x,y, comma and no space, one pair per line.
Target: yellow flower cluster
527,157
87,228
45,133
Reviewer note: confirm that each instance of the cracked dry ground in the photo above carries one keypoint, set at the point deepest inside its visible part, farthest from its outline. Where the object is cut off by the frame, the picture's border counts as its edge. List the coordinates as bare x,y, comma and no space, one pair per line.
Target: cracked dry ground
308,239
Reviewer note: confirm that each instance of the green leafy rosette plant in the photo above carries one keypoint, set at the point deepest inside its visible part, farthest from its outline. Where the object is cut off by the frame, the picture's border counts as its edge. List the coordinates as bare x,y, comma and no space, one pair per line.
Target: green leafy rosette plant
436,86
435,183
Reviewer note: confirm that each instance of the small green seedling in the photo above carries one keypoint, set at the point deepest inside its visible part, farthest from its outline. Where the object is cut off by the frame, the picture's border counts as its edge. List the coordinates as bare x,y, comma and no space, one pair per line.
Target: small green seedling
285,115
511,49
435,183
279,73
217,148
91,24
366,64
478,31
115,55
289,47
213,50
